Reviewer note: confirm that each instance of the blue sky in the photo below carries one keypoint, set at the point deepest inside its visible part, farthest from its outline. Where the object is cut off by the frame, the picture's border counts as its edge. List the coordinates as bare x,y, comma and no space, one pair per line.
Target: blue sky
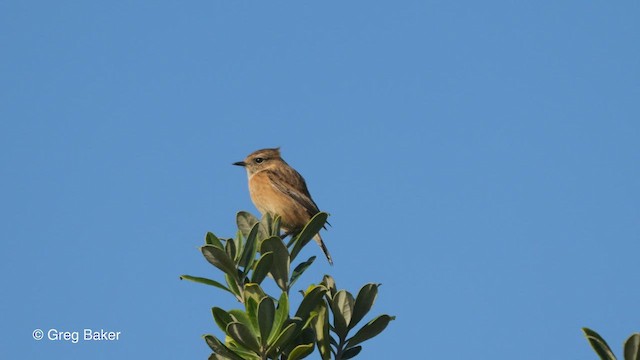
479,159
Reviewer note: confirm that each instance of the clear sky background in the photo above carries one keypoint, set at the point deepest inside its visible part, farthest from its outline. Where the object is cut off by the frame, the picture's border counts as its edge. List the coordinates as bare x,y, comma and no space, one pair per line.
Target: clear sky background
479,159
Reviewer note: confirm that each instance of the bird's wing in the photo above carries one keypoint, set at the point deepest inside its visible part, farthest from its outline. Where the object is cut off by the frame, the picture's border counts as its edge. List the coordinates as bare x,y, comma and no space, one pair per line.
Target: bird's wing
293,185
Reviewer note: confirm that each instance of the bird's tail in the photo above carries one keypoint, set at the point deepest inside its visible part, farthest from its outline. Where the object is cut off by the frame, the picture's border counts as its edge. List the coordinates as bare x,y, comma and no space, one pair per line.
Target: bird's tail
318,239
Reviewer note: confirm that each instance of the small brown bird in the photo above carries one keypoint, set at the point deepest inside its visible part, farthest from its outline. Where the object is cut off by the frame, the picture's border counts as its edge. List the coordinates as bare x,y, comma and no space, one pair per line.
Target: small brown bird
278,189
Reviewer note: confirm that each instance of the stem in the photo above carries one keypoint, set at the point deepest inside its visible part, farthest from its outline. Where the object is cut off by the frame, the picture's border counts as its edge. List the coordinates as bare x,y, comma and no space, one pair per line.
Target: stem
340,348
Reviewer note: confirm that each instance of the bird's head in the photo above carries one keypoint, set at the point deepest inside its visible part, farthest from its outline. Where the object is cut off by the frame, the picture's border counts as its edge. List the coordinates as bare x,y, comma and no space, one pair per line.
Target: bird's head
261,160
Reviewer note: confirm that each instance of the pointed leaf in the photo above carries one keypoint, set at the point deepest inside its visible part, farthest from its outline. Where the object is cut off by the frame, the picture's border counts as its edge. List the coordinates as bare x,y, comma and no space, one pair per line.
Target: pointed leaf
219,348
205,281
280,264
266,314
632,347
211,239
598,344
243,335
364,302
300,269
301,351
371,329
262,267
250,249
308,232
219,258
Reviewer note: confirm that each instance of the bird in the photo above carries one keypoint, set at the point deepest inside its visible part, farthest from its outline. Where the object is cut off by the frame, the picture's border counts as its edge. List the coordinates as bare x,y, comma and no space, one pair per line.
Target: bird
278,189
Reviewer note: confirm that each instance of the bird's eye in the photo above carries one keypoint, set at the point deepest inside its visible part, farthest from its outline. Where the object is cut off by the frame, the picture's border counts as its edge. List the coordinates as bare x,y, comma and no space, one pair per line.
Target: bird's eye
259,160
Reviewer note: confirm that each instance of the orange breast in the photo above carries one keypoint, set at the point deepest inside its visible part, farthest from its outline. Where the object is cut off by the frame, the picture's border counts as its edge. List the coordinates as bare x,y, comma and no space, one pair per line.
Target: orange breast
268,199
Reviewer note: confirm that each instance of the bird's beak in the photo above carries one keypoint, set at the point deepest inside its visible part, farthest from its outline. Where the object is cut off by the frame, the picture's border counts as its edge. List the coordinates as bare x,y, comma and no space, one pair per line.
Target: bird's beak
240,163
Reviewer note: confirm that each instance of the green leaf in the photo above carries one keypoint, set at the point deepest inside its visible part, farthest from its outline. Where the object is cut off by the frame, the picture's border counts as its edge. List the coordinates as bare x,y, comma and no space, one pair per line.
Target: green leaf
252,290
240,316
342,308
264,231
230,249
330,284
211,239
205,281
598,344
306,336
275,228
262,267
321,328
312,298
234,287
250,249
333,341
245,222
219,258
284,336
221,317
632,347
241,351
307,323
280,263
243,335
252,312
266,315
308,232
300,351
219,348
371,329
281,315
300,269
364,302
237,241
252,295
351,352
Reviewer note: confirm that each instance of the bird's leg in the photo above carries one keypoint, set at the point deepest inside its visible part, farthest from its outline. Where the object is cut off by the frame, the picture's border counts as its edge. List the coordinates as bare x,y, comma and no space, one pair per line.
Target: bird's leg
287,233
